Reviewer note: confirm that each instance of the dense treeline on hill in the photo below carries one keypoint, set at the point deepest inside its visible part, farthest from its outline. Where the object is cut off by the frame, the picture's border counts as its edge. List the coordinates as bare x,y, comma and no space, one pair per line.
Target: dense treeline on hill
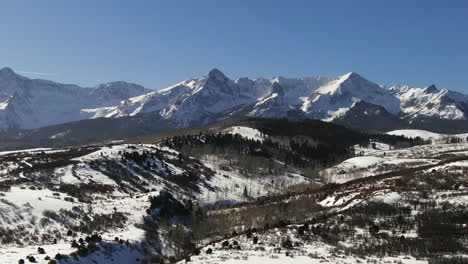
297,154
287,144
149,128
83,132
323,132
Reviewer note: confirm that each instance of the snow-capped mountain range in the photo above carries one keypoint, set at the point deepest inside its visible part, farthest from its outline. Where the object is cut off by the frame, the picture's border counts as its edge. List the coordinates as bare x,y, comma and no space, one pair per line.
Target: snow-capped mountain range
212,97
32,103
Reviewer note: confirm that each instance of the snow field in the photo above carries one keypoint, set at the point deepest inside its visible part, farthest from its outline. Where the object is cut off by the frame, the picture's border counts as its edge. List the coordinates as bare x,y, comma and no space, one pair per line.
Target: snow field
426,135
246,132
375,162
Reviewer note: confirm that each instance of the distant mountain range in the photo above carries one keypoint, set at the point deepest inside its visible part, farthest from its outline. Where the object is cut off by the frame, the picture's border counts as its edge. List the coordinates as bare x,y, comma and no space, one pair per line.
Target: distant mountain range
350,99
32,103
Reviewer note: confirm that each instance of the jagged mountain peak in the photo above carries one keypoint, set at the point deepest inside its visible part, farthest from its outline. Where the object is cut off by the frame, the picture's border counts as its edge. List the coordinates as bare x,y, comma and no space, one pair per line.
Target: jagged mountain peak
351,75
338,96
216,82
349,83
216,74
7,72
277,88
431,89
278,79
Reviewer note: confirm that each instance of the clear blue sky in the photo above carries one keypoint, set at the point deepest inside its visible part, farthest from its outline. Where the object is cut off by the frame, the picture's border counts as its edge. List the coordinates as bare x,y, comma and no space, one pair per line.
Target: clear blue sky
159,43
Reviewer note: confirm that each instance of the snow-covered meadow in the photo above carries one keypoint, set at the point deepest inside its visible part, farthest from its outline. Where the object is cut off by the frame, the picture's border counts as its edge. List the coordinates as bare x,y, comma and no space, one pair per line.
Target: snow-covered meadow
426,135
382,159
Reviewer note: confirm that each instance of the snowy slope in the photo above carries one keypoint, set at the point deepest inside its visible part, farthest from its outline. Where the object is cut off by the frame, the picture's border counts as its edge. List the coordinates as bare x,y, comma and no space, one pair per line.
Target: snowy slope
430,102
383,160
351,212
115,181
426,135
246,132
335,98
269,251
413,133
285,96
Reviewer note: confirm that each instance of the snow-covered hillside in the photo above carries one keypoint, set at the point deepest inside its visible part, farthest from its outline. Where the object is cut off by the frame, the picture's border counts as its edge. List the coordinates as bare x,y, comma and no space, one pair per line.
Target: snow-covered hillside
126,203
338,96
270,250
430,102
382,159
396,218
426,135
47,192
246,132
